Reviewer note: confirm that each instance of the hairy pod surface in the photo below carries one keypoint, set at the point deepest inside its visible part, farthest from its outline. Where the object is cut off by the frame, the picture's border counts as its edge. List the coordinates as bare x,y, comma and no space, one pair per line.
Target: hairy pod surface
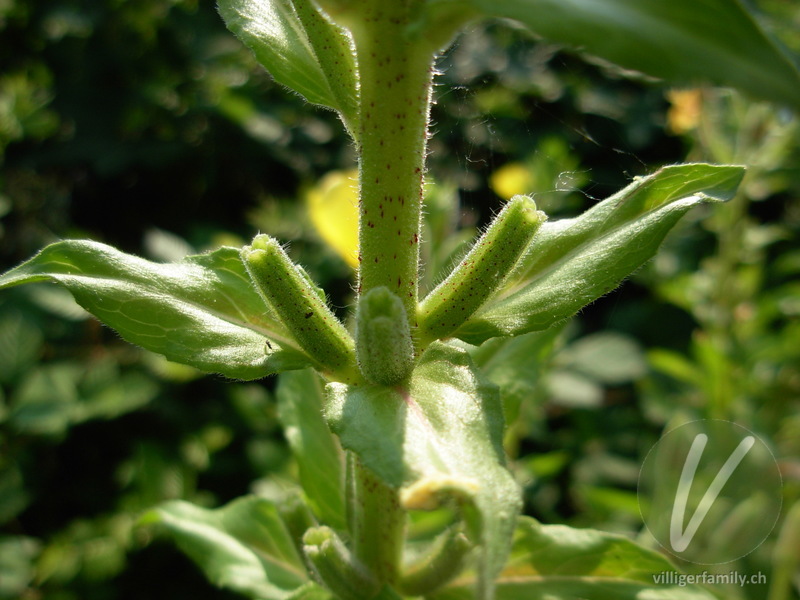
384,348
299,304
336,567
444,561
482,271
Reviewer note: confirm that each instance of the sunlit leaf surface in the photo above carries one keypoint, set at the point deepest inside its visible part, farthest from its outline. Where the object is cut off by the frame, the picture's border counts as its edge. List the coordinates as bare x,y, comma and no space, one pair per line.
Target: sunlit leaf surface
441,437
202,311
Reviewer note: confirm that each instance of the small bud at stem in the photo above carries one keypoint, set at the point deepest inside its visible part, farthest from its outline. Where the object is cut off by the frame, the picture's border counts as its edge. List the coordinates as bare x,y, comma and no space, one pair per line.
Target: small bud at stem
384,347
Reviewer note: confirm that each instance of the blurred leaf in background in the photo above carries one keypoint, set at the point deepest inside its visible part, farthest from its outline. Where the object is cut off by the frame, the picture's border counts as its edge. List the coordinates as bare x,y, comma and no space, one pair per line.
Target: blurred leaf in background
116,122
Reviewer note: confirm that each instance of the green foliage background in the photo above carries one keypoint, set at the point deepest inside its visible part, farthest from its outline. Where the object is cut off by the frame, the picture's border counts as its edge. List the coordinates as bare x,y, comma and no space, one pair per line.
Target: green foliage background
147,125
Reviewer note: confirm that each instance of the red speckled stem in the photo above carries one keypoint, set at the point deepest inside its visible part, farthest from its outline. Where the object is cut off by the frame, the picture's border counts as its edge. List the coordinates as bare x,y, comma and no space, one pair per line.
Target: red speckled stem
396,79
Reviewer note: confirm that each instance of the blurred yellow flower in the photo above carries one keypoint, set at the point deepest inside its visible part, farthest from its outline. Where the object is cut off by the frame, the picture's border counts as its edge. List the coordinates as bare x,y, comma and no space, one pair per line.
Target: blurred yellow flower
511,179
684,112
333,208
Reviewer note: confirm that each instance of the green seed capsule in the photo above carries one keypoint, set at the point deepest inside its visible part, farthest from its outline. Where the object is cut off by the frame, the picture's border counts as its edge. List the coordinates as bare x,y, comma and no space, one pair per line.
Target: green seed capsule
336,567
311,283
299,304
384,347
444,561
482,272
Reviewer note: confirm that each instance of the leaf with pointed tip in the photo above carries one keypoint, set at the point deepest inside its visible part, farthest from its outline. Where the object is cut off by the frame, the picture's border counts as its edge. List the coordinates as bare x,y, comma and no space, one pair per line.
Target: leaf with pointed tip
319,457
572,262
441,436
202,311
683,41
562,563
300,48
243,546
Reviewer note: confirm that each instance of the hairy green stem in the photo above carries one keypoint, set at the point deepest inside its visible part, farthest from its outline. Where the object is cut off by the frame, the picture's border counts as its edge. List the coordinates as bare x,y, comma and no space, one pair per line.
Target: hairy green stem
396,79
377,524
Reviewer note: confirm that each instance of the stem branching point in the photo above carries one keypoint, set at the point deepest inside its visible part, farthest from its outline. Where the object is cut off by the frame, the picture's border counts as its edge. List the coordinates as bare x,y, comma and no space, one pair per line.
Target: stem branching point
384,347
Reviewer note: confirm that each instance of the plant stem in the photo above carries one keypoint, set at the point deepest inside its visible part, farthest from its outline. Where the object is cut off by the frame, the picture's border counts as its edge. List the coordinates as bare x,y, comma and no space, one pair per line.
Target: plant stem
395,70
377,524
396,79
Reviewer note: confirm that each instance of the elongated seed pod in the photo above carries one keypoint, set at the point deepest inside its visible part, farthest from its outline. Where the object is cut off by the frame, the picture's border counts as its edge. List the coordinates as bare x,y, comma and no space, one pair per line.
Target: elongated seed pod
482,271
336,567
299,304
444,561
384,348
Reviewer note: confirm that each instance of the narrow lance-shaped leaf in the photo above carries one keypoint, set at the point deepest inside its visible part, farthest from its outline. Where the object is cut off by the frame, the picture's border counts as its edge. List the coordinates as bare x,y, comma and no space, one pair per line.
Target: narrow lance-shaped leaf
562,563
572,262
517,365
683,41
319,458
441,436
243,546
202,311
300,48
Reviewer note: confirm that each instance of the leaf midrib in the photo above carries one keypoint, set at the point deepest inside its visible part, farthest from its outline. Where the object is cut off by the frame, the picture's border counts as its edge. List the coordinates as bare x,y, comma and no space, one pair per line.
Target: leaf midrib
157,291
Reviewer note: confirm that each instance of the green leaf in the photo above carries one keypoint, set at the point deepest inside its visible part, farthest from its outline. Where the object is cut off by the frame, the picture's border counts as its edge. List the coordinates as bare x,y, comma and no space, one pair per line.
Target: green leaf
311,591
562,563
334,565
243,546
21,343
300,401
607,357
679,40
55,396
441,436
14,497
18,556
572,262
384,346
202,311
300,48
677,365
516,366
